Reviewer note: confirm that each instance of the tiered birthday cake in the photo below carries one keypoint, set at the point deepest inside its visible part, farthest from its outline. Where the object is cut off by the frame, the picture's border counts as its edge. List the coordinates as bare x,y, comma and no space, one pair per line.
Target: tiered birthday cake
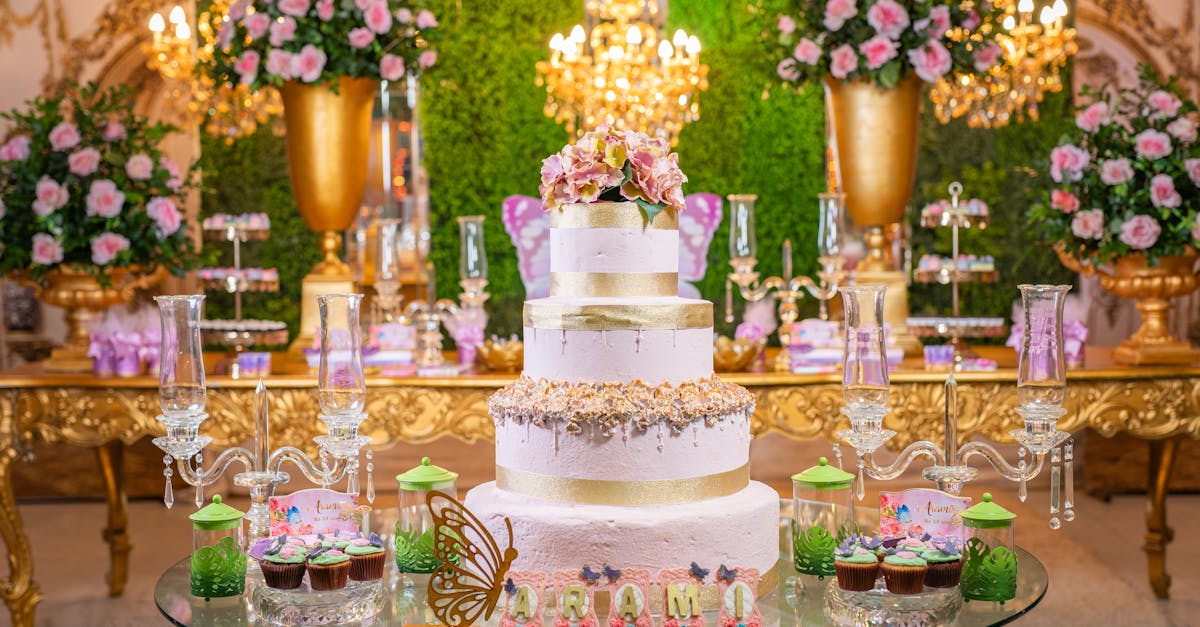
618,445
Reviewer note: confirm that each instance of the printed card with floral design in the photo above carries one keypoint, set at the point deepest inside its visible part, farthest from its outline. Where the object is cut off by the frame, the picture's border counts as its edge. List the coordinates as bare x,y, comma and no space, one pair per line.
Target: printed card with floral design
681,596
521,599
574,597
313,511
737,591
919,511
629,596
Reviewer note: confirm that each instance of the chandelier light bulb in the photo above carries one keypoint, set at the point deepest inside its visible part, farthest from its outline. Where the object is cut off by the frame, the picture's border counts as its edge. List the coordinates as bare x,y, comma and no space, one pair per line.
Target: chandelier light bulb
616,53
577,34
1060,8
556,42
1047,16
1009,23
1025,6
634,36
680,39
182,31
177,16
157,25
665,51
693,45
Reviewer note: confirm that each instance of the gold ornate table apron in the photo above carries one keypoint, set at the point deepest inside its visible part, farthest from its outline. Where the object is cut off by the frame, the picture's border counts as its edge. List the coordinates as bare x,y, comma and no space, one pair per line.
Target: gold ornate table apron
1156,404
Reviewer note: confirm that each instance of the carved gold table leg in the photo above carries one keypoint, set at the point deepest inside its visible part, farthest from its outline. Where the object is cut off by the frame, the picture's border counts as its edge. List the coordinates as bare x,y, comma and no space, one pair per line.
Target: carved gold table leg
1158,534
112,466
20,592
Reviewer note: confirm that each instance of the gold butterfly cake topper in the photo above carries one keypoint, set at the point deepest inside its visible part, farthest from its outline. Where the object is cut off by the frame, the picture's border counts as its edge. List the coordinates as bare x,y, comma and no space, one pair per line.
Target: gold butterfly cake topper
467,583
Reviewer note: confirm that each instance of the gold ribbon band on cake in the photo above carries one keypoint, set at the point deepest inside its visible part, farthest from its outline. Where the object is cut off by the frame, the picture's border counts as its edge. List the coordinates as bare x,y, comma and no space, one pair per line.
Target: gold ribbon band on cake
610,215
624,284
615,492
692,315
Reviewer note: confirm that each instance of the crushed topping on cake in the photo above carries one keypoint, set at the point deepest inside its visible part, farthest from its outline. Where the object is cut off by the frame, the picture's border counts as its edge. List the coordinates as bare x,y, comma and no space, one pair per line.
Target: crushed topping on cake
609,405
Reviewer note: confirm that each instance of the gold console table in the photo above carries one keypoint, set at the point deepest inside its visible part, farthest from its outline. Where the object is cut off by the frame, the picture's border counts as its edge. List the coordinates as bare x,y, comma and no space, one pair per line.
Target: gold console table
1159,405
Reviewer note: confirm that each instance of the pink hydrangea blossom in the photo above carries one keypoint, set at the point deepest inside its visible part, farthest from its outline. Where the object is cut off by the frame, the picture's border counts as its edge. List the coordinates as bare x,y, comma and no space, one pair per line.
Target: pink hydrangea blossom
225,35
787,70
15,149
378,17
308,64
930,61
257,25
786,24
807,51
140,167
1193,169
362,5
106,246
84,161
1183,129
1164,103
878,50
279,63
46,250
938,21
427,59
986,56
49,196
1140,232
426,19
361,37
1064,201
1093,117
1152,144
391,67
1116,171
972,20
888,18
294,8
247,66
64,136
237,10
837,12
1088,224
842,61
113,132
325,10
1067,163
283,31
104,199
1162,192
165,215
174,178
404,15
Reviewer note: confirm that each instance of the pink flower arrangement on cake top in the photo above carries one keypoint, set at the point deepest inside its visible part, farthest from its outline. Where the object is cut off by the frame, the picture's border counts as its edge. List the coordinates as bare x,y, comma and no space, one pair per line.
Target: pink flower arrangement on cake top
614,166
1127,179
268,43
885,40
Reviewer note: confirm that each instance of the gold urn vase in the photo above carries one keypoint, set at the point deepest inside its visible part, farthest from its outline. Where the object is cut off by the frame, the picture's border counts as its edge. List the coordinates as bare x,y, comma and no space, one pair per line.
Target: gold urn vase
84,299
1153,287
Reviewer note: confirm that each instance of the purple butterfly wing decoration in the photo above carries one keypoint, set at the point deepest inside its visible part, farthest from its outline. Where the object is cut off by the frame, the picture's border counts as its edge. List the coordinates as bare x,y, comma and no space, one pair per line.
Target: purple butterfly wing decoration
529,228
697,224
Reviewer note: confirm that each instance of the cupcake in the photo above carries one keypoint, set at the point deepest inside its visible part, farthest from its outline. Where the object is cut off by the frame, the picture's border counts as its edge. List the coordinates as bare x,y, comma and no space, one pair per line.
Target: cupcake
366,558
904,572
328,568
856,567
945,563
283,564
338,541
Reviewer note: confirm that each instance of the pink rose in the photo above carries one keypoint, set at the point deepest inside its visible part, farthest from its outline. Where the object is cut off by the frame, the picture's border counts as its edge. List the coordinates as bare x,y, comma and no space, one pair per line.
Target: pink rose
113,131
64,136
842,61
46,250
807,51
1164,103
1116,171
938,21
308,64
1140,232
931,61
878,50
1193,169
247,66
283,31
257,25
378,17
225,35
972,20
1162,192
105,247
104,199
1088,224
426,19
404,15
174,178
786,24
985,57
16,149
325,10
1183,129
1068,161
1152,144
1063,200
888,18
427,59
362,5
165,215
391,67
1093,117
361,37
786,69
49,196
837,12
84,162
279,63
139,167
1196,229
294,8
237,10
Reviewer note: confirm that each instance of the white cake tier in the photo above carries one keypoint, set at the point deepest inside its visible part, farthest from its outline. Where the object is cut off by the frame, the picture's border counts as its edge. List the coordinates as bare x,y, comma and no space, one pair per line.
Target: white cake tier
614,250
740,530
653,356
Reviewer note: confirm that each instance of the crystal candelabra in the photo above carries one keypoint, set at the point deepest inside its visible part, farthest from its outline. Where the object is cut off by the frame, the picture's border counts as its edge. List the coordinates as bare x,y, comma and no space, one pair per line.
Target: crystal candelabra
743,250
341,394
1041,390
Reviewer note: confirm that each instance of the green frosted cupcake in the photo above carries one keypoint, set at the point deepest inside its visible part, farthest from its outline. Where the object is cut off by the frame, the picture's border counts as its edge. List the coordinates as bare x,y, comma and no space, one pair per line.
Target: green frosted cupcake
945,563
283,564
904,572
856,567
366,558
328,568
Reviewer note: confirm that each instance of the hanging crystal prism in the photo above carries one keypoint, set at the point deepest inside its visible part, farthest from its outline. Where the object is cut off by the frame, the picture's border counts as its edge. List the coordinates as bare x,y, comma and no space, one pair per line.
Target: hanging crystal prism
837,454
1055,480
168,493
861,490
199,480
1022,487
1069,477
370,477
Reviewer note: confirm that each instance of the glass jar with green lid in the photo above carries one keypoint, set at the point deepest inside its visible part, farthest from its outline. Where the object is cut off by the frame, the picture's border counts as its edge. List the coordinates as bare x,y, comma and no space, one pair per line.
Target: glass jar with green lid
218,555
989,559
822,516
414,529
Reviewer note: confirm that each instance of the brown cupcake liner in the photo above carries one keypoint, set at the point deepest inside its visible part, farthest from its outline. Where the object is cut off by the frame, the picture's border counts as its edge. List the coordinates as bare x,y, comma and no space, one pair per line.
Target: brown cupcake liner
943,574
367,567
904,579
856,577
328,576
282,576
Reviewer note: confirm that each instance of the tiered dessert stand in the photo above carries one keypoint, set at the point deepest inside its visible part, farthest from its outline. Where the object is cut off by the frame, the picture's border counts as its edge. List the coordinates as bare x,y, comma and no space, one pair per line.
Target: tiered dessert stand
956,327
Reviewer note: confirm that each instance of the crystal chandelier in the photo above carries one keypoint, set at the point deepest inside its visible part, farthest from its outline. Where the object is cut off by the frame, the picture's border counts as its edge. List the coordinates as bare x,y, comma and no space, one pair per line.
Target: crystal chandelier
225,111
1034,51
619,68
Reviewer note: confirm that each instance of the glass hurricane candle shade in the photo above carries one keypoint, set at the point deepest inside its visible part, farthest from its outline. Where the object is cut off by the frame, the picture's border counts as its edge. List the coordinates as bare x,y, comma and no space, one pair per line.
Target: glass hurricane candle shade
181,386
865,372
1041,369
472,259
742,241
341,385
387,254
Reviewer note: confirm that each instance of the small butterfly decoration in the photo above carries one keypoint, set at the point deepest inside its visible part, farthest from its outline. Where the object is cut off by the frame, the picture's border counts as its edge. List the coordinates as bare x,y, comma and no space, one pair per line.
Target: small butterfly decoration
510,588
612,574
726,574
697,572
276,545
903,515
466,585
589,575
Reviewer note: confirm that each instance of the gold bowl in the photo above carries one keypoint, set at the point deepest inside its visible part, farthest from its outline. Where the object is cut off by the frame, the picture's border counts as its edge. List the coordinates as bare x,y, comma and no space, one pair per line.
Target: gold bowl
731,355
506,356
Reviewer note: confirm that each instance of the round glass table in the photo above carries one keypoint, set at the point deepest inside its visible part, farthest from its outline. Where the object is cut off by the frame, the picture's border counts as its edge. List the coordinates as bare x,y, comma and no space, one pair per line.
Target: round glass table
797,601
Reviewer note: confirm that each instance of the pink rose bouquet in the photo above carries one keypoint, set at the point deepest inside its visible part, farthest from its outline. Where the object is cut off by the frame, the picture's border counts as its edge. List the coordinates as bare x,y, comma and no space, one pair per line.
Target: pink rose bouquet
83,182
614,166
885,40
318,41
1127,178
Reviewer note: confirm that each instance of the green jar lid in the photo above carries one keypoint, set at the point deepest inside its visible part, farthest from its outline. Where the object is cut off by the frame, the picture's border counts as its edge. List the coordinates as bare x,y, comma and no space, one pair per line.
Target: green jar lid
824,477
426,477
987,515
216,515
